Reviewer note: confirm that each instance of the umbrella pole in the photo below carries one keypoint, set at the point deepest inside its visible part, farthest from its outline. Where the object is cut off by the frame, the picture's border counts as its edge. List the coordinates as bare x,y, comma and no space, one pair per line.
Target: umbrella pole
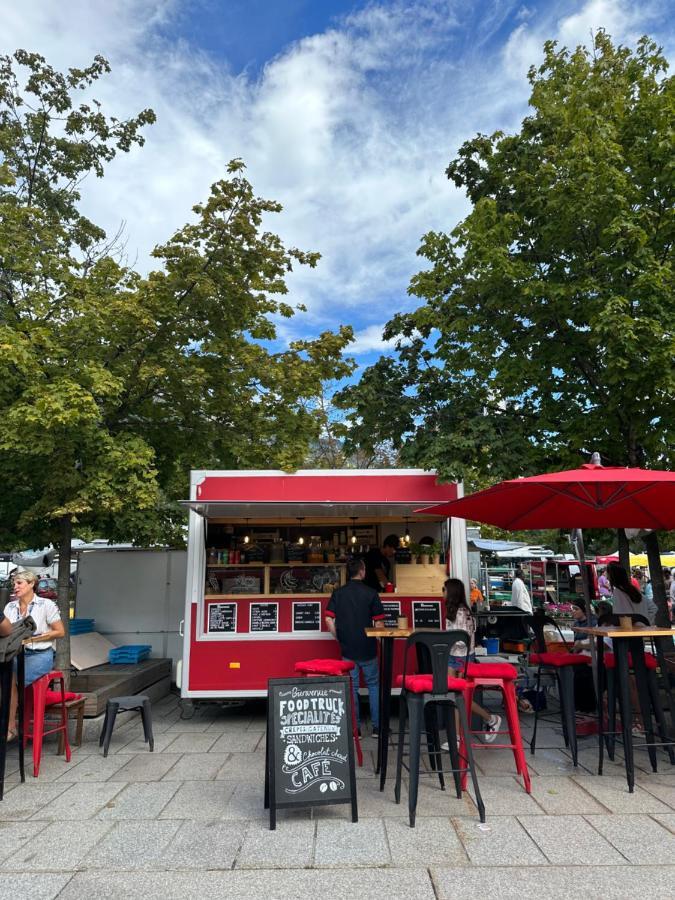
624,550
651,542
578,544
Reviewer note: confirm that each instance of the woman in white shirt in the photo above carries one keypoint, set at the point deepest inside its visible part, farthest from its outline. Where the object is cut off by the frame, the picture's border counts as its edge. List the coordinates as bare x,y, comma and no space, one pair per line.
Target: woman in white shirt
626,598
39,648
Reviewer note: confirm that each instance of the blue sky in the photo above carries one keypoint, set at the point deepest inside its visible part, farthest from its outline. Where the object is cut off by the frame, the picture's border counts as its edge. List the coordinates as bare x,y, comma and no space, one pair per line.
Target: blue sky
346,112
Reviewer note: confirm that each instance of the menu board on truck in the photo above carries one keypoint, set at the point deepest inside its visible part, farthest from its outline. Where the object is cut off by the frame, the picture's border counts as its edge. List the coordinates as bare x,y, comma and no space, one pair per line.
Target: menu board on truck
264,617
306,615
310,748
392,611
426,613
222,618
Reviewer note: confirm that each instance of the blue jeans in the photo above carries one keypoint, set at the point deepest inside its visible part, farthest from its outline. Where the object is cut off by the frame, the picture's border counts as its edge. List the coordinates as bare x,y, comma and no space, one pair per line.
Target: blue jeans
36,664
371,676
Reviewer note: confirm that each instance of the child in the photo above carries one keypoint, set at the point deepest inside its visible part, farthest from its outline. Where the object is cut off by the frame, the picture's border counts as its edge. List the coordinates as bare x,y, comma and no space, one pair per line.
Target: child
459,618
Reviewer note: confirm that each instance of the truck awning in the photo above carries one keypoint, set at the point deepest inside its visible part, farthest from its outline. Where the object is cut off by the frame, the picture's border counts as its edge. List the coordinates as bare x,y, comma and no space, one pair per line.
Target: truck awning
325,494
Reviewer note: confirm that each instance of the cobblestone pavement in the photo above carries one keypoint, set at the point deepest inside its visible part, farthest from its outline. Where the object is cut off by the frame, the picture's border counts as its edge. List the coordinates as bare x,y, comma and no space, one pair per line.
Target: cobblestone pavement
188,821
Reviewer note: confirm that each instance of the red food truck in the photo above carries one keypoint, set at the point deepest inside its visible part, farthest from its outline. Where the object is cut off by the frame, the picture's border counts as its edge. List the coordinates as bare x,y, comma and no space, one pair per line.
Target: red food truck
266,549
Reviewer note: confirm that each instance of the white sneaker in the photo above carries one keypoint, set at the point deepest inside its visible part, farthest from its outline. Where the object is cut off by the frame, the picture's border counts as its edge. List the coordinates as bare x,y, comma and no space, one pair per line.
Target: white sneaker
446,746
492,728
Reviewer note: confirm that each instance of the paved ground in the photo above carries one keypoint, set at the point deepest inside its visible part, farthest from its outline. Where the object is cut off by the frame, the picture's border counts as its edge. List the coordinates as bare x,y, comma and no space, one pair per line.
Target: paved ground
188,821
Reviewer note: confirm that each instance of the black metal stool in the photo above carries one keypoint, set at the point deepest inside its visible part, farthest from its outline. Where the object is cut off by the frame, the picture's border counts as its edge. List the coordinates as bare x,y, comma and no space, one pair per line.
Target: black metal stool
126,704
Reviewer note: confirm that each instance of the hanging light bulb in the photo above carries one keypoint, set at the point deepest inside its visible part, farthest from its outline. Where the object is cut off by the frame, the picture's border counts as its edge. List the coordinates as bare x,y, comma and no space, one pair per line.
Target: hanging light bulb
247,537
406,537
353,518
301,539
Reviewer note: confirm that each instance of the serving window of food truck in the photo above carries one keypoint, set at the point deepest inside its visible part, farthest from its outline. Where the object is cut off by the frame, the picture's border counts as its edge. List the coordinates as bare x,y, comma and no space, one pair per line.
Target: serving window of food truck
266,550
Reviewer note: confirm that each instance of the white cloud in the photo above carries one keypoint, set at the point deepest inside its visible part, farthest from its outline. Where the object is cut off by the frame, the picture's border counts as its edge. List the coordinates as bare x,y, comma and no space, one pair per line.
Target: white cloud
370,339
350,129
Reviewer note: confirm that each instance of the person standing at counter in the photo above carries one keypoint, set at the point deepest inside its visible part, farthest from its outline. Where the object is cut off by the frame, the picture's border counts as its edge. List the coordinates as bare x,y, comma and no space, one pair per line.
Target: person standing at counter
520,596
351,609
378,563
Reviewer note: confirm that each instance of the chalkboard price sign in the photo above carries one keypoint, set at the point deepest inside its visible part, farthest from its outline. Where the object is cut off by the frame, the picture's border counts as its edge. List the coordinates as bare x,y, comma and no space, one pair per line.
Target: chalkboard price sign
222,617
264,617
310,747
392,610
426,613
307,616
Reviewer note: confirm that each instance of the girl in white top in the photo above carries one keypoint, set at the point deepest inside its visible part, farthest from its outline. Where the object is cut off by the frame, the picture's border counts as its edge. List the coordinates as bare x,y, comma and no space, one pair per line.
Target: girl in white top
459,618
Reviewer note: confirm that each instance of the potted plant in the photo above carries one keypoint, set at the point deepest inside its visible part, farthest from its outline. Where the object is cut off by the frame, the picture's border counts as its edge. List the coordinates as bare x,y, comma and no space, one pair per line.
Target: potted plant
416,552
425,553
435,552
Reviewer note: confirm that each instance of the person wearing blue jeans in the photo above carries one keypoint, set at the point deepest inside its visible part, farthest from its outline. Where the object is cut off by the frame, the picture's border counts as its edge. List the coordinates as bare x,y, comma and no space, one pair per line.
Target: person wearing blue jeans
351,609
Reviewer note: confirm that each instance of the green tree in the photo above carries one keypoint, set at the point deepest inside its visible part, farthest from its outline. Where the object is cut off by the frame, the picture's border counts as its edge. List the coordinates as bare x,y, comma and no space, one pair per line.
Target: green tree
114,385
546,325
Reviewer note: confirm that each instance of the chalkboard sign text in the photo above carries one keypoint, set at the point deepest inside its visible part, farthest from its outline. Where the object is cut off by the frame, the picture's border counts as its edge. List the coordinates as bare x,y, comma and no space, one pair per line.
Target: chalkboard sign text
222,618
426,613
392,610
264,617
307,615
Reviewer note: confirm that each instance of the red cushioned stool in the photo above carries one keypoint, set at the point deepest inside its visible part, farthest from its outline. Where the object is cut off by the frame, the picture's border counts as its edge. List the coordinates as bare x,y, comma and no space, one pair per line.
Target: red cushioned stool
501,677
333,667
561,665
423,696
36,697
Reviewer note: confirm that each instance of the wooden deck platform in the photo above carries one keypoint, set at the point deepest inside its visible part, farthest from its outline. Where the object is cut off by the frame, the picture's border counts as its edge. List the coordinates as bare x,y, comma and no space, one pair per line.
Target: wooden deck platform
151,677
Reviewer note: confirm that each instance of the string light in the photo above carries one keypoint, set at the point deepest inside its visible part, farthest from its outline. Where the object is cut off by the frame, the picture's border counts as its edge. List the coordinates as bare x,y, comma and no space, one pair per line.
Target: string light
353,518
247,537
301,539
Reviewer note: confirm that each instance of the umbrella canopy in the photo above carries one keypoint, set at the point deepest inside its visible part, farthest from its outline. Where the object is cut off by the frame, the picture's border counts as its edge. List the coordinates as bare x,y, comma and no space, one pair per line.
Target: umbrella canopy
591,496
638,559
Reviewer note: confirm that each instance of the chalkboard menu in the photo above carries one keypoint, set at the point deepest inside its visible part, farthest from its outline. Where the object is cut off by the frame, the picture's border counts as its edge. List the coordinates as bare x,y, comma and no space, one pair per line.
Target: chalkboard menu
426,613
307,615
222,617
310,747
392,610
264,617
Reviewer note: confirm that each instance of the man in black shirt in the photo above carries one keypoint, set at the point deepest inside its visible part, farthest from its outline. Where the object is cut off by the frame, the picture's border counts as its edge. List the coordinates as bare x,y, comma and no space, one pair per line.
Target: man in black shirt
351,609
378,563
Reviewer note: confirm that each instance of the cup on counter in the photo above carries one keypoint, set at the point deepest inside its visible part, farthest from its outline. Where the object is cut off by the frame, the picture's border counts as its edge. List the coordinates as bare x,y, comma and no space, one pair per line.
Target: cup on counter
402,622
389,588
625,622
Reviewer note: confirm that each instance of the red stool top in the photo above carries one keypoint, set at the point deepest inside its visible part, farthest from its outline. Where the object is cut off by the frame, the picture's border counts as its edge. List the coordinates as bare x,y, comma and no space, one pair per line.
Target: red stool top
324,667
650,661
559,659
492,670
424,684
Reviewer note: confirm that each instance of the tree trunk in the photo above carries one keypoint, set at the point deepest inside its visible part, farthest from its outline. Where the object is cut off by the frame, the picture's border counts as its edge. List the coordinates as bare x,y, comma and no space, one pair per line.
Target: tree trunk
651,542
63,644
624,550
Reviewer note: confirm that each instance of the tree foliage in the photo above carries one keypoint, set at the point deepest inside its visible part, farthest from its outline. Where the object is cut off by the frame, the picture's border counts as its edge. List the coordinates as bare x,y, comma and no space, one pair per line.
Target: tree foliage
546,324
113,384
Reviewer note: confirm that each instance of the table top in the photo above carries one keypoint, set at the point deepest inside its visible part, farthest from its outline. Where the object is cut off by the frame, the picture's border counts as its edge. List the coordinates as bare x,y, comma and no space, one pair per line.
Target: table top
614,631
389,632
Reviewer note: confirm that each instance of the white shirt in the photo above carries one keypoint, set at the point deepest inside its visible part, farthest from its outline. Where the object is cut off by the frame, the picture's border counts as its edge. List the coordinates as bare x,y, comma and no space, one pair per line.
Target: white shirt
44,612
623,605
520,596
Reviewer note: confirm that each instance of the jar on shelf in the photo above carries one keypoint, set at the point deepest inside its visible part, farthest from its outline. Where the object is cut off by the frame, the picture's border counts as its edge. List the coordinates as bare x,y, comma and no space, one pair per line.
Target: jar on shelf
315,550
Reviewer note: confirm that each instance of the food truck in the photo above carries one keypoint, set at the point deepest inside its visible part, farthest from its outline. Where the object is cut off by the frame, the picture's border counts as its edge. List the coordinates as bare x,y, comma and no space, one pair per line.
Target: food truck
267,548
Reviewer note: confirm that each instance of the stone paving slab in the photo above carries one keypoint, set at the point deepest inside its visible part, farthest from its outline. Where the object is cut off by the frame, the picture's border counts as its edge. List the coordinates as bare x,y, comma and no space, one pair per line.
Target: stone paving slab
13,835
432,842
298,884
138,745
667,820
93,768
79,801
239,742
347,843
40,886
506,796
287,847
559,795
569,840
500,842
201,800
203,845
22,801
132,845
146,767
568,883
58,848
612,792
191,742
203,767
641,839
139,801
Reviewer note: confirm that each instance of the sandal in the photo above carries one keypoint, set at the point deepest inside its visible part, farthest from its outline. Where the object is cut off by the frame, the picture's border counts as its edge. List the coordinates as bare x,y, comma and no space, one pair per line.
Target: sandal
524,705
11,735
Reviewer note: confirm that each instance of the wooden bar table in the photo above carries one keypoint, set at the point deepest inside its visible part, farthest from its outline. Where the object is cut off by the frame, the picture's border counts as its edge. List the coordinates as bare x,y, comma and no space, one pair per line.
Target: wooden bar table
386,636
627,641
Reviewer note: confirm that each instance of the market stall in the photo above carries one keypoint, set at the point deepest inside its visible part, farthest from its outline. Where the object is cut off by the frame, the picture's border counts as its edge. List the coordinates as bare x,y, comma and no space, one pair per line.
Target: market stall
266,549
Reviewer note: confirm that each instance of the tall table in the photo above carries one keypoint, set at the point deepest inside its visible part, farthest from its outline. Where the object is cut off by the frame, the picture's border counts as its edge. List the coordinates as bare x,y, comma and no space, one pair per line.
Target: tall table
6,678
625,641
386,636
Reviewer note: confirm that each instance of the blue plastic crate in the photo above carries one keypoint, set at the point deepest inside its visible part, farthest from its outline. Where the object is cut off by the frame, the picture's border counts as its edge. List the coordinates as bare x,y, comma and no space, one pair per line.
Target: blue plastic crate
81,626
129,653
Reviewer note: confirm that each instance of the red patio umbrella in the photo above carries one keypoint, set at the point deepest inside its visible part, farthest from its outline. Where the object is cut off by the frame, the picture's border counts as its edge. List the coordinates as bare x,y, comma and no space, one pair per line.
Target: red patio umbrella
592,496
